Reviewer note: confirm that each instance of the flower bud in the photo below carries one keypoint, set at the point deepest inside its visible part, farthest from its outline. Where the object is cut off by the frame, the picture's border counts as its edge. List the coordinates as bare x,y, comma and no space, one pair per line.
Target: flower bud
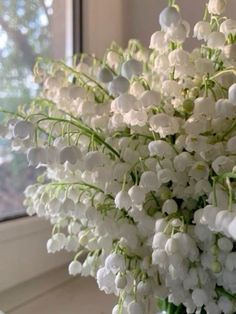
169,17
131,68
217,6
75,268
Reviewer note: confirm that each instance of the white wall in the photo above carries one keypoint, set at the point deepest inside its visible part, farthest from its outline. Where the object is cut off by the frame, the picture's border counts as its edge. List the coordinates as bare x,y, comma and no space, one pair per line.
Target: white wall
119,20
141,16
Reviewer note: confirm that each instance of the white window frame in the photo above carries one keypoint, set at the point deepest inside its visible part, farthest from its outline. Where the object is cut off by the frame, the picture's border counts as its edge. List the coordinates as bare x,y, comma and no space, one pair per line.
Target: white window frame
23,253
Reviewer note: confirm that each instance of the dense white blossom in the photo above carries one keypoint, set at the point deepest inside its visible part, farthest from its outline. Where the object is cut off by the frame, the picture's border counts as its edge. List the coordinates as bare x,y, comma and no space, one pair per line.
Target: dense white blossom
139,153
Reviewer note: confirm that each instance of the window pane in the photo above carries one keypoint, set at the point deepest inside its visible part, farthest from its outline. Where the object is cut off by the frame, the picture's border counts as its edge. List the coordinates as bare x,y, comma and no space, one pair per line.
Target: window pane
27,29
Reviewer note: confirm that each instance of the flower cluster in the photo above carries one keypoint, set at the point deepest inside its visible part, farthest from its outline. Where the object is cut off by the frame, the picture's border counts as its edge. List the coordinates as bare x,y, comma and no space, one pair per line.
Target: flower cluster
139,151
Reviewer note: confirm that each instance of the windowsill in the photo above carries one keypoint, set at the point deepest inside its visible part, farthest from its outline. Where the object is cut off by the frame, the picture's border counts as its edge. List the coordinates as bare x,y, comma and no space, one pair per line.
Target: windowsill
57,293
23,251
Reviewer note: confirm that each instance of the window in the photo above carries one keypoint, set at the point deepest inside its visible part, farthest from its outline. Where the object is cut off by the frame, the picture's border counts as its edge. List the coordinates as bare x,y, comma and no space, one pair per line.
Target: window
27,29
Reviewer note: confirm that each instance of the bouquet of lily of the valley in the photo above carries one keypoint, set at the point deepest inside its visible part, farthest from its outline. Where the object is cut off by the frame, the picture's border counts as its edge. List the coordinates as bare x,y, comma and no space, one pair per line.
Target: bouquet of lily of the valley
139,151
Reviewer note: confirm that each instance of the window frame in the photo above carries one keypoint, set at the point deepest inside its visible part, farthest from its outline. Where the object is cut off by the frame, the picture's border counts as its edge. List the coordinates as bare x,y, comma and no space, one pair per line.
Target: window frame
23,239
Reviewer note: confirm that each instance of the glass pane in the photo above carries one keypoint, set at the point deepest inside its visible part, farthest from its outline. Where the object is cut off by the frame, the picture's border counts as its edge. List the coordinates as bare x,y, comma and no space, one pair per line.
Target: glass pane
27,29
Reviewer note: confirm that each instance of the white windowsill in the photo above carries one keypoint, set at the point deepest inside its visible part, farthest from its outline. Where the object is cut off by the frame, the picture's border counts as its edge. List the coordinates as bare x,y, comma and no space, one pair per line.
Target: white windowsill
23,251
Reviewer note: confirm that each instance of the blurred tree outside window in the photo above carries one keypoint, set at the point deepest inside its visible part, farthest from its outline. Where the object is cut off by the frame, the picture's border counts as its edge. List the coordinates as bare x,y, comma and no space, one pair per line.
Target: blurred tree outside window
27,29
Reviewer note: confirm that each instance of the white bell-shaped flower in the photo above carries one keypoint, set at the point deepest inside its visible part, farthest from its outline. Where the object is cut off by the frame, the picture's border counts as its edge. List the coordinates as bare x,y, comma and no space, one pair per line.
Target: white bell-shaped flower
37,156
164,124
161,149
158,41
204,106
232,94
199,297
150,98
217,6
231,145
75,268
216,40
202,30
159,240
137,194
149,181
222,164
170,207
23,129
225,109
115,263
72,244
169,17
136,118
135,308
131,68
171,246
228,27
105,75
124,103
123,200
70,154
119,86
121,281
93,160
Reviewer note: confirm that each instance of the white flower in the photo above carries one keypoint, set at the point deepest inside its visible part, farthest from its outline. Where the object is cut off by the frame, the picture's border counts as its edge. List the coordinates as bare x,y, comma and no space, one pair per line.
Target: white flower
115,263
164,125
183,161
75,268
161,149
135,308
94,160
225,109
137,194
178,57
231,145
171,88
105,75
70,154
23,129
178,34
196,125
149,181
232,94
225,305
150,99
170,206
222,164
199,170
124,103
120,281
136,89
37,156
217,6
158,41
118,86
204,106
131,68
159,240
199,297
169,17
228,27
216,40
171,246
232,228
123,200
202,30
134,117
106,280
